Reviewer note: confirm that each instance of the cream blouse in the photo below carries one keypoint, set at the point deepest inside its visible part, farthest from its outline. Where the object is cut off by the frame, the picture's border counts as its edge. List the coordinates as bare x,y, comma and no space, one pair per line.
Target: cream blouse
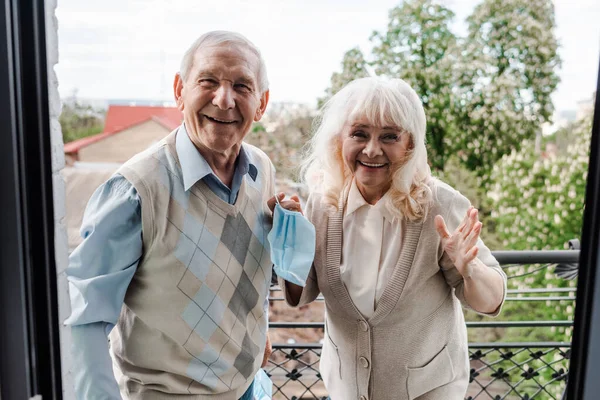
372,242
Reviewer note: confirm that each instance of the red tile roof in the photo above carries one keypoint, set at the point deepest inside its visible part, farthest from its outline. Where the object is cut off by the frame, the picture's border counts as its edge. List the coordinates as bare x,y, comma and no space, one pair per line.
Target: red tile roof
119,118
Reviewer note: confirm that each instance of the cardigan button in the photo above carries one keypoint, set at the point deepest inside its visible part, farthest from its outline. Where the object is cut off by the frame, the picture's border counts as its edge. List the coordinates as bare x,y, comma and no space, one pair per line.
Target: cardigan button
363,325
364,362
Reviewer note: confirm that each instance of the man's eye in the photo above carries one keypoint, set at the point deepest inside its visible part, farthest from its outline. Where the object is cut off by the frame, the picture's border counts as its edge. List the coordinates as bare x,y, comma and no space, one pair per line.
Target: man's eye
243,87
208,82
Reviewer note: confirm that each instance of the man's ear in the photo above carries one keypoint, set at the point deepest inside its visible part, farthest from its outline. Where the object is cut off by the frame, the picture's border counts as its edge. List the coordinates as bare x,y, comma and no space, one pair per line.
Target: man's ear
264,100
177,89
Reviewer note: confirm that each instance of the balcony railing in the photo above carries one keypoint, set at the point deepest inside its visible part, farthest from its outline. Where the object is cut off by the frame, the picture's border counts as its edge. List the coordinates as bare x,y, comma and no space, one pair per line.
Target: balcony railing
499,369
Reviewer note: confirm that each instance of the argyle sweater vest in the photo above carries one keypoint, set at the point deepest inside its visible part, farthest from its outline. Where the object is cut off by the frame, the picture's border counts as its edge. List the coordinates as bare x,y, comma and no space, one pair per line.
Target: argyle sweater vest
193,324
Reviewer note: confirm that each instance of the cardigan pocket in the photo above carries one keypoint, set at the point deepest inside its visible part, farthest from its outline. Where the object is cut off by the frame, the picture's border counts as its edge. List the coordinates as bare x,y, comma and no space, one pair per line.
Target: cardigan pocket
437,372
337,350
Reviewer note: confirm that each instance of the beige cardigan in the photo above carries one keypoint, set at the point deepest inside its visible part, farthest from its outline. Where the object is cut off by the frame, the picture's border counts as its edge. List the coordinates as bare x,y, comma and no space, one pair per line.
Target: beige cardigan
415,345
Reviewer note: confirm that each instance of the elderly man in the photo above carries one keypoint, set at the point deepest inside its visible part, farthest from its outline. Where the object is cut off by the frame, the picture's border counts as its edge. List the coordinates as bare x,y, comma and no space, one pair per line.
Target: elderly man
175,264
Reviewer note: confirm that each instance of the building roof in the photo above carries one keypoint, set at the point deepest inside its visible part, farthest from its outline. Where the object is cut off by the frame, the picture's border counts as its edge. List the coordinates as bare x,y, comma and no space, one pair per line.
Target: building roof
119,118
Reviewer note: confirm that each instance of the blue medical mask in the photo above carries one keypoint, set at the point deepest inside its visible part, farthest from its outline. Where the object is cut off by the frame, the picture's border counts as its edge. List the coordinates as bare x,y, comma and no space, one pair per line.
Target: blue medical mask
263,386
292,240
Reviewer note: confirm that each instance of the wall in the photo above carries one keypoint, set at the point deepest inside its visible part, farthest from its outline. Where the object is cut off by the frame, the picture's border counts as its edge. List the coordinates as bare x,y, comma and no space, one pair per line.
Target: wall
58,163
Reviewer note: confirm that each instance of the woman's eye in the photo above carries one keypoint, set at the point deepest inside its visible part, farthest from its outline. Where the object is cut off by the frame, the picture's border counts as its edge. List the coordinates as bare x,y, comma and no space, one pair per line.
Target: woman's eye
358,135
390,138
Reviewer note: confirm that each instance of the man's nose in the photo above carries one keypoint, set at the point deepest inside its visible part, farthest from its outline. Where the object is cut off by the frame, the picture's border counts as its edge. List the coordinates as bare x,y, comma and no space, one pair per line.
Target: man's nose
372,149
224,98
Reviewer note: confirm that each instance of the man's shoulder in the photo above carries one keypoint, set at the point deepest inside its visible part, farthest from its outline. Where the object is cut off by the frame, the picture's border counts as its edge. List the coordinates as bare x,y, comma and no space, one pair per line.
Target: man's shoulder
256,155
145,165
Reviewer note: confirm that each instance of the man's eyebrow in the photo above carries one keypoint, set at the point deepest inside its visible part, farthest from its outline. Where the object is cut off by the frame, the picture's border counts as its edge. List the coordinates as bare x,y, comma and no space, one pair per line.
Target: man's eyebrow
245,79
206,72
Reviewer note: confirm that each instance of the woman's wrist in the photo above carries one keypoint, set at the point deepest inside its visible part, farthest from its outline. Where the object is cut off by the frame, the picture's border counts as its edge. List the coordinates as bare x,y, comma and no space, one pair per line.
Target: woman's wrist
471,269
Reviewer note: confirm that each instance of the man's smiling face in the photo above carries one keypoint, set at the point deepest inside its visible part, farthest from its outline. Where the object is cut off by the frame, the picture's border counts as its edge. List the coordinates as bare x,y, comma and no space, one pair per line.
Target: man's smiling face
220,97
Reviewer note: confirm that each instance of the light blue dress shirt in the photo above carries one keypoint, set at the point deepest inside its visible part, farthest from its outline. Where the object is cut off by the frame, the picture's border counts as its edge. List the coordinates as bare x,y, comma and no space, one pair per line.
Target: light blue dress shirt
102,266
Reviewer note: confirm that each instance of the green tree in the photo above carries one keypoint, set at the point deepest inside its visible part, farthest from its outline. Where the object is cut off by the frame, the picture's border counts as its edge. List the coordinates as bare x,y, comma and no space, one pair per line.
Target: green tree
537,202
508,69
78,120
483,94
354,66
419,47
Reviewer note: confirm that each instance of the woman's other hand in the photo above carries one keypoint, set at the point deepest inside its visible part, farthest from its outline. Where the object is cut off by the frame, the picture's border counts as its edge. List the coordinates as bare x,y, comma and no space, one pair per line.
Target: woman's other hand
461,245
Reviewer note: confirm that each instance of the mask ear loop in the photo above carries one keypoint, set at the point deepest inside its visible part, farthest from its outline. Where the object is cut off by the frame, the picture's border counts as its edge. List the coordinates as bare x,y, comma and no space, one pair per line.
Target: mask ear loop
277,199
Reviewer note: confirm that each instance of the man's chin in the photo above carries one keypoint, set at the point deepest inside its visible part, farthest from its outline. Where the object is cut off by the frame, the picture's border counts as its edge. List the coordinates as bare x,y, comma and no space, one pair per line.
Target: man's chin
223,146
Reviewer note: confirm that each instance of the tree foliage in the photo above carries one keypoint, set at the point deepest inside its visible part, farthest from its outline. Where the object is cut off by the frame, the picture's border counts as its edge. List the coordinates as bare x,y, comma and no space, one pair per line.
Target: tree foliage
78,120
484,93
537,201
507,76
417,47
354,66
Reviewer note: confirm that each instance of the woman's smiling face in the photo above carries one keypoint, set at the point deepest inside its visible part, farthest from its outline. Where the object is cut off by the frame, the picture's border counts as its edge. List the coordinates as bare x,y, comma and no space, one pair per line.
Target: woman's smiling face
373,154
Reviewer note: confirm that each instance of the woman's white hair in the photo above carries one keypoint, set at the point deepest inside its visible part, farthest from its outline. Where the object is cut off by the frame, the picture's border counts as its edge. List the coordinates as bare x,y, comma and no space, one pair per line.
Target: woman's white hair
215,38
382,102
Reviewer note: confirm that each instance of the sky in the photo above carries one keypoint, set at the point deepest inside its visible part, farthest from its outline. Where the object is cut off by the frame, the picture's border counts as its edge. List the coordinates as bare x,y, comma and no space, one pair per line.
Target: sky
131,49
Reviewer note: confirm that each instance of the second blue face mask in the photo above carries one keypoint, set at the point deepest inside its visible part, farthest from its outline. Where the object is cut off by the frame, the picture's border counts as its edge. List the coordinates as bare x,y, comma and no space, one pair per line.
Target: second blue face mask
292,240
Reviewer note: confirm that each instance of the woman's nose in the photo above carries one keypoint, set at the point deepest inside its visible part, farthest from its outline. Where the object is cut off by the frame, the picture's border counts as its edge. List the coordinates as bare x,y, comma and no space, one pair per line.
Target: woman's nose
372,149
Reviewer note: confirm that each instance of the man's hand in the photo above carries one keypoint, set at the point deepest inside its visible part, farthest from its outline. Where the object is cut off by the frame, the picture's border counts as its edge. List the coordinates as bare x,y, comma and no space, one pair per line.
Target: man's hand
268,351
461,244
292,204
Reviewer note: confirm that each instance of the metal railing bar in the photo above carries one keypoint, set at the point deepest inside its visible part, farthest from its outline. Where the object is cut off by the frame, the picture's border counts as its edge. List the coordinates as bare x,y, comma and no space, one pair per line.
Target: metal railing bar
473,345
536,256
470,324
511,298
509,291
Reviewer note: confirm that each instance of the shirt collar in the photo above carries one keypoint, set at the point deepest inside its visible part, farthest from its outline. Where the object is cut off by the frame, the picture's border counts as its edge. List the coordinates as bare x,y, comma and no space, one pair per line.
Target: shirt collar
194,167
356,201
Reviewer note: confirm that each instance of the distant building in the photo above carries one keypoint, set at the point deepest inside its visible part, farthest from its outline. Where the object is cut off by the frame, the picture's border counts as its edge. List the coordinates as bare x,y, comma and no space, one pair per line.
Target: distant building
127,131
92,160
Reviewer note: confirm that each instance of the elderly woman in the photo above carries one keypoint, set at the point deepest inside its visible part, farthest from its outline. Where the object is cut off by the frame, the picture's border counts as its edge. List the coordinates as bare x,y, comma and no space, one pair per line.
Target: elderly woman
397,252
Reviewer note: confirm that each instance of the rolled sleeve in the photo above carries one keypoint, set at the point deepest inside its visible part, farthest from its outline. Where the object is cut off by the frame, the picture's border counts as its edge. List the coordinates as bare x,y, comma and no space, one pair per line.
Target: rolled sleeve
102,266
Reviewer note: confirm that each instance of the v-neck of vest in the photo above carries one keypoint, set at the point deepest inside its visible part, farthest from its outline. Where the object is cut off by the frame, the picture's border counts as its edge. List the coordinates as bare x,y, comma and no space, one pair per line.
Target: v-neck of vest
393,290
201,189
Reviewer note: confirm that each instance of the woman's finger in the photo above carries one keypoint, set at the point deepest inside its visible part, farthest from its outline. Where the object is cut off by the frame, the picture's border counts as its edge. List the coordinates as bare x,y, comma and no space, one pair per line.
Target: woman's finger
471,254
463,223
441,228
469,225
473,236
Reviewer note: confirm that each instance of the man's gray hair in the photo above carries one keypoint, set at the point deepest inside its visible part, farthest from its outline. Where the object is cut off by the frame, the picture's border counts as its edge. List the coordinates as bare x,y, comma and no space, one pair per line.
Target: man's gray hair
215,38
